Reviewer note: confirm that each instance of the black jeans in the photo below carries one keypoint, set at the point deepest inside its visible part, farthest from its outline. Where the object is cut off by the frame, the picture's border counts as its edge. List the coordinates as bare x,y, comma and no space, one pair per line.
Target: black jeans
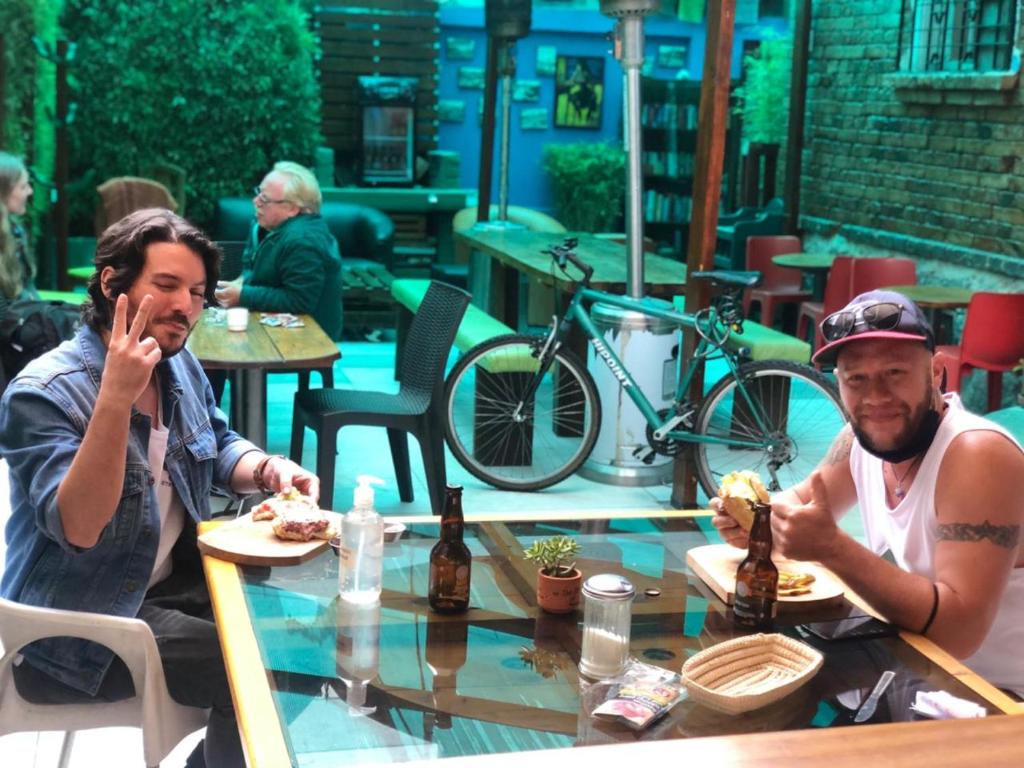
179,613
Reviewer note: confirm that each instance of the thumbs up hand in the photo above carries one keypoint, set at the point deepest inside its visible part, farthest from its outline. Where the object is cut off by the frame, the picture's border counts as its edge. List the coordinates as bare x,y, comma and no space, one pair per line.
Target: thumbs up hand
805,531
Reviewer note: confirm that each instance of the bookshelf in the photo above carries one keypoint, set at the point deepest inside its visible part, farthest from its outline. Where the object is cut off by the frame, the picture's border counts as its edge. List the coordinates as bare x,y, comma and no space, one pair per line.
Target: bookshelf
668,120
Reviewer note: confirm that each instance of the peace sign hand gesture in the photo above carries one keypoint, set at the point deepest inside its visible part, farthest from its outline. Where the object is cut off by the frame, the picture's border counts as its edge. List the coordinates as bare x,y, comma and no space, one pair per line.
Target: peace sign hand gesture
130,359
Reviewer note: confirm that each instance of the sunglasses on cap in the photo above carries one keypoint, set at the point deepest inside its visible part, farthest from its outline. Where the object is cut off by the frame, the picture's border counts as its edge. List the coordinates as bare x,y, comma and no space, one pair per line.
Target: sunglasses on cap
883,316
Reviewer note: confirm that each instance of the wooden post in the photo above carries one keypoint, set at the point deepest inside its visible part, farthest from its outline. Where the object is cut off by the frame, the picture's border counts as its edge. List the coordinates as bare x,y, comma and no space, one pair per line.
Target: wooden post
3,89
60,174
797,106
707,190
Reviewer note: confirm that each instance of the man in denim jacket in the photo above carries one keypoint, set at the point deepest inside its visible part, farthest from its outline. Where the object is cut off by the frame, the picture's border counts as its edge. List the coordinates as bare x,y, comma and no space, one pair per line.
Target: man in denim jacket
114,444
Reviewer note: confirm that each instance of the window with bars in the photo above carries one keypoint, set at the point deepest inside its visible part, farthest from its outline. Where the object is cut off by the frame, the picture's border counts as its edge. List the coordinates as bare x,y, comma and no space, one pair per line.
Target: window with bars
957,35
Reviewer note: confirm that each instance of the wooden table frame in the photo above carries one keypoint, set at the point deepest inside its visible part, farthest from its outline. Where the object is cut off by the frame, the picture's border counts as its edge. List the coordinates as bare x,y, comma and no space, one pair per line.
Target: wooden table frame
259,349
950,743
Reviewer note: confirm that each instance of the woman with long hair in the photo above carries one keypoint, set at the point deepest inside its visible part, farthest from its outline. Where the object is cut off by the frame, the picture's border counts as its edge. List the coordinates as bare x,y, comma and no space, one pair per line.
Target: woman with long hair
16,272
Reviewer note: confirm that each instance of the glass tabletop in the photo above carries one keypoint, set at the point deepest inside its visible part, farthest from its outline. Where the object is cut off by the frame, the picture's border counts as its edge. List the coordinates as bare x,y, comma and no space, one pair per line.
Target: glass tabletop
395,681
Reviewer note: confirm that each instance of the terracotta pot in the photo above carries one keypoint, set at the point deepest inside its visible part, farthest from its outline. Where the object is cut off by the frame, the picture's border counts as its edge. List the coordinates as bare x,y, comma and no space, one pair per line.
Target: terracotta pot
559,594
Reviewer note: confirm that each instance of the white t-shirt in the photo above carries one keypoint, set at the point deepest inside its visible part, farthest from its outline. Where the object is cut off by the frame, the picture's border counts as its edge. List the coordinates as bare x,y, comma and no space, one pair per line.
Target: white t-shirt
172,510
910,532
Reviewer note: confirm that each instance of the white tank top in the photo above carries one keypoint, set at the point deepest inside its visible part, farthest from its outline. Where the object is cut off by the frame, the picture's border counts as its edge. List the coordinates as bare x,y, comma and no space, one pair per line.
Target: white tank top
909,532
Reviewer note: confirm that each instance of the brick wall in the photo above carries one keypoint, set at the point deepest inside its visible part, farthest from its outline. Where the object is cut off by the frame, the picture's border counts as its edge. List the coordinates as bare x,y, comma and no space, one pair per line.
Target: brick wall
928,165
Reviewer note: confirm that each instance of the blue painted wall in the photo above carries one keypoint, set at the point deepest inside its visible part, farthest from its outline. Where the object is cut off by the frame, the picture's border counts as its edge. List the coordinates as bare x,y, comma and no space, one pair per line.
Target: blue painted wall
578,32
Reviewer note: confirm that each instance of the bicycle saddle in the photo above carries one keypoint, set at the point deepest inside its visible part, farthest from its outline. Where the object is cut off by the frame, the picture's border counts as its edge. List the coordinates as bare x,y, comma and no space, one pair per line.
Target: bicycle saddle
729,277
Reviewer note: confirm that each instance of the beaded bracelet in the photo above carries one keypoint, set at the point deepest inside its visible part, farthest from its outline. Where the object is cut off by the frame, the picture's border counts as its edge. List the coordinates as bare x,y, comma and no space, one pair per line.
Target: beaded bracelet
257,474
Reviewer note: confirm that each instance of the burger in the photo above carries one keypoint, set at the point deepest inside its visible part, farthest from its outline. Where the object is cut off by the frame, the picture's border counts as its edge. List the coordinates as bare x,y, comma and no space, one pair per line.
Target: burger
303,524
739,492
295,517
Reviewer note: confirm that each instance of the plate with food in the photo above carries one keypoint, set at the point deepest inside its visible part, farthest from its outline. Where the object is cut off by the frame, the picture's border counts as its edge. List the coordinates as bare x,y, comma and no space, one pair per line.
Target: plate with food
801,585
285,529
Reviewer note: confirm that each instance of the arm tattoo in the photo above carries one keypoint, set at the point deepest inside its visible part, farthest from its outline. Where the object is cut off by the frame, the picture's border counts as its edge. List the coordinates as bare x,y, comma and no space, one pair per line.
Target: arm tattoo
1005,536
840,450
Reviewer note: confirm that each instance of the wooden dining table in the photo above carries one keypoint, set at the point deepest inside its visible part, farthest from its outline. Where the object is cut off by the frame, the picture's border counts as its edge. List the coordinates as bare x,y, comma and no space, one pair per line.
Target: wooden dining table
255,351
509,253
817,265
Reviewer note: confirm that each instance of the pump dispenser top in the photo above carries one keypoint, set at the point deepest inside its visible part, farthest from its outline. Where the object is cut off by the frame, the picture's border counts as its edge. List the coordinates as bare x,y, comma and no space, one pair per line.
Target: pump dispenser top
362,497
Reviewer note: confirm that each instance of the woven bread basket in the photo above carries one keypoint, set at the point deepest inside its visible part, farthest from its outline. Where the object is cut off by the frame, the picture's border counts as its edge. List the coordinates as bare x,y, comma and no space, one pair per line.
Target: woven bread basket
749,672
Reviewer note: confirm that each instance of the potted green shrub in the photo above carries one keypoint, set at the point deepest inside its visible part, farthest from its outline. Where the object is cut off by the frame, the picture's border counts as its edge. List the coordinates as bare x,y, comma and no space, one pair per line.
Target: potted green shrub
589,183
558,578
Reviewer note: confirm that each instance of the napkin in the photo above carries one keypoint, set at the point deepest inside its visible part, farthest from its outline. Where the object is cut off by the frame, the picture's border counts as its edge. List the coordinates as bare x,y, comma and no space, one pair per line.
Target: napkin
945,706
281,320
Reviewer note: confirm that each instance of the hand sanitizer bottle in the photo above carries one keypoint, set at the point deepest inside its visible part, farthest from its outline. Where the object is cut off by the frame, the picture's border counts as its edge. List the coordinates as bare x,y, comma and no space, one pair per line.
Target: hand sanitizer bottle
362,546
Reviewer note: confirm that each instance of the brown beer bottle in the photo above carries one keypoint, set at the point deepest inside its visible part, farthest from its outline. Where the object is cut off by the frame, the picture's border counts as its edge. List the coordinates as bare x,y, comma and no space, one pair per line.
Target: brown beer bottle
450,561
757,578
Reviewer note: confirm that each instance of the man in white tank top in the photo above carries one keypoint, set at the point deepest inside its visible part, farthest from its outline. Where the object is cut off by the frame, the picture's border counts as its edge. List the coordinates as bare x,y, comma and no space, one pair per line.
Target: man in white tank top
939,487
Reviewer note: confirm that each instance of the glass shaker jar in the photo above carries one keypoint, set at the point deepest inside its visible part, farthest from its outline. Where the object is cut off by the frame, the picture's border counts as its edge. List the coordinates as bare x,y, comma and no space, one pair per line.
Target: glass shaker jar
607,613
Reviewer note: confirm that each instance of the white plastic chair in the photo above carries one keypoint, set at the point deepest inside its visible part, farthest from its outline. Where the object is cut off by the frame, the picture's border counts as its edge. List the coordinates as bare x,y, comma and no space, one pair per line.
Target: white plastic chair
163,721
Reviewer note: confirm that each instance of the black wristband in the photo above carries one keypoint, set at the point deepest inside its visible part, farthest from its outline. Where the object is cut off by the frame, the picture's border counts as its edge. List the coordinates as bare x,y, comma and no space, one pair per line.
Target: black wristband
935,610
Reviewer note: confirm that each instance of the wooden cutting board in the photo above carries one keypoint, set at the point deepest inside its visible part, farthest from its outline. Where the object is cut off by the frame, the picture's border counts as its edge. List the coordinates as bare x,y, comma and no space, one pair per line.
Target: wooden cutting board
246,542
716,565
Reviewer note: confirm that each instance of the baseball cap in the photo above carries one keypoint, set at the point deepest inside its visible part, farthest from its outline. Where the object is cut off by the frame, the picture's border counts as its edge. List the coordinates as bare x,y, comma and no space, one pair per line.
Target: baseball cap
874,315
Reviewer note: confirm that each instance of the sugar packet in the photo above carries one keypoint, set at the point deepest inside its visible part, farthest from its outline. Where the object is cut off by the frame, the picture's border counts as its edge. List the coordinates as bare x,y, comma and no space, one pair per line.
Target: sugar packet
642,695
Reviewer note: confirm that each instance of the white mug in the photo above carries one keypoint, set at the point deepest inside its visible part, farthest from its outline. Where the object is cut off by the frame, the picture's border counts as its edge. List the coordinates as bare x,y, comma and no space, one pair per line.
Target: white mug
238,319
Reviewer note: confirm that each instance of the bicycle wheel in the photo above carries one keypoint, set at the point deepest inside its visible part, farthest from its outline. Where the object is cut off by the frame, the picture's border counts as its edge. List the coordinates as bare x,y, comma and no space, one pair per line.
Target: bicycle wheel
802,413
509,442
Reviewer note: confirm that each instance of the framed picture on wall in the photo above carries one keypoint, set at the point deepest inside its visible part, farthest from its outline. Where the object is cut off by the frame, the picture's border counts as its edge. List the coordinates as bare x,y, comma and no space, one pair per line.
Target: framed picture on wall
674,56
579,91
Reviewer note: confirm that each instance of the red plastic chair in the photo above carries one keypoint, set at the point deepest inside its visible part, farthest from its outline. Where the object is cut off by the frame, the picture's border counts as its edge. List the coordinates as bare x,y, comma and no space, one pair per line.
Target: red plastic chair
780,285
838,292
993,340
869,274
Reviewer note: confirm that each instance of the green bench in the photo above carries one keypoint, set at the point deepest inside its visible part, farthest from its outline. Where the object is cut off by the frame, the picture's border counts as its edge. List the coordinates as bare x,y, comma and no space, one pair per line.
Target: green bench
477,326
71,297
763,342
1011,419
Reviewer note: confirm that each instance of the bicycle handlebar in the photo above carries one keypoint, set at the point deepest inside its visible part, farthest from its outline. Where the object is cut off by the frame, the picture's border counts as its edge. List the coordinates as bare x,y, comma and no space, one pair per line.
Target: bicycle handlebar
566,253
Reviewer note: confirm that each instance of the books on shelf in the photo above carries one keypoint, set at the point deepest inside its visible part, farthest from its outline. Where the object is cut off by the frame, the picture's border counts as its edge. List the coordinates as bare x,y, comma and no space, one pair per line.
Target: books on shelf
662,207
669,116
671,164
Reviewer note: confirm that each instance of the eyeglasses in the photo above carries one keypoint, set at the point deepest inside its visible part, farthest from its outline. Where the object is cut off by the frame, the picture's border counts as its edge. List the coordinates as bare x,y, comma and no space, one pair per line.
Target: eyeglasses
883,316
262,198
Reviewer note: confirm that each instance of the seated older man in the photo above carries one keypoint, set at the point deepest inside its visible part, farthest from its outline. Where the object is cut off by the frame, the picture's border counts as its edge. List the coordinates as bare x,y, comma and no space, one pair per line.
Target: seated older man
296,266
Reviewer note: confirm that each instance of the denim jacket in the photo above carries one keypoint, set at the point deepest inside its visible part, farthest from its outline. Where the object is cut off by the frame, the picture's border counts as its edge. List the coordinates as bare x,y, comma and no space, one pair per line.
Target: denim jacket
43,417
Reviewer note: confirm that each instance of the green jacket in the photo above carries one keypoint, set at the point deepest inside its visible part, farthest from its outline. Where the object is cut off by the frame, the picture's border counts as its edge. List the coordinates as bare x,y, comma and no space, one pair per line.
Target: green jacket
297,269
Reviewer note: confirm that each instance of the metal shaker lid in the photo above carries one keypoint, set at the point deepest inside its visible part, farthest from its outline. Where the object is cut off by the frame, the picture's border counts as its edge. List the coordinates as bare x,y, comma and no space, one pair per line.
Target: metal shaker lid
609,586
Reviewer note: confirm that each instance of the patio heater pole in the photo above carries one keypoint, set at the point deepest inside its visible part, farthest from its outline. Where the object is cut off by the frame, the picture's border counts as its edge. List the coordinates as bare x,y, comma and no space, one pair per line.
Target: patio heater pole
506,22
629,49
622,454
507,67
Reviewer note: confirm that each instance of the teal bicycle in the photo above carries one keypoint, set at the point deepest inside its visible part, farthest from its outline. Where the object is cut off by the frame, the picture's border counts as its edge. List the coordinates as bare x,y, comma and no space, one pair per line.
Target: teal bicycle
523,413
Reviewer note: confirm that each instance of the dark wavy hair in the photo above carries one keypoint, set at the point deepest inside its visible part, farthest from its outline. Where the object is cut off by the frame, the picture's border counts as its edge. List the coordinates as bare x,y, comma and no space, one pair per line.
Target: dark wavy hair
123,246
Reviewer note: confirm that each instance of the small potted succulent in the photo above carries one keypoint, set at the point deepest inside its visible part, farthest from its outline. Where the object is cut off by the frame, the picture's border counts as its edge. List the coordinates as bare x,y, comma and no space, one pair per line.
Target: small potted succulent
558,578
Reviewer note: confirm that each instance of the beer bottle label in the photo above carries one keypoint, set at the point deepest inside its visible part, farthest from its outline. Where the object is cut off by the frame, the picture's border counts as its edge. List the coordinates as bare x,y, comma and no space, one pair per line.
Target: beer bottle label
754,610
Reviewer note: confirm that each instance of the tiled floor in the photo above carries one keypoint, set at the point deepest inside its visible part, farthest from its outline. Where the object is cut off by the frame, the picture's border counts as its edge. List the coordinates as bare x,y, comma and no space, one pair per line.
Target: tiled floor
362,450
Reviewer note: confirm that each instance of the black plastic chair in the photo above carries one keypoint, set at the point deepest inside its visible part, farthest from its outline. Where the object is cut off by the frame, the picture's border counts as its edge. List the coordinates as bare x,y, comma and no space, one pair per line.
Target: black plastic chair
417,408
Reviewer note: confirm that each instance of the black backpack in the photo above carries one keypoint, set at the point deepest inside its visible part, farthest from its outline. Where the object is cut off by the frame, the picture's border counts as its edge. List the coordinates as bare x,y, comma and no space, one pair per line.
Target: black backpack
30,327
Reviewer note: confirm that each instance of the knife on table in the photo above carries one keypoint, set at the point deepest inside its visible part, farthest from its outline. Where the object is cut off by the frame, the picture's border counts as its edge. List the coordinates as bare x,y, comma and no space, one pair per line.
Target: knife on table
867,709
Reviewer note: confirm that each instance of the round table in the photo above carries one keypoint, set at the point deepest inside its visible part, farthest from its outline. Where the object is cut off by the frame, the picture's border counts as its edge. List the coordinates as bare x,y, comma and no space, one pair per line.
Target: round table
816,265
934,299
935,296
